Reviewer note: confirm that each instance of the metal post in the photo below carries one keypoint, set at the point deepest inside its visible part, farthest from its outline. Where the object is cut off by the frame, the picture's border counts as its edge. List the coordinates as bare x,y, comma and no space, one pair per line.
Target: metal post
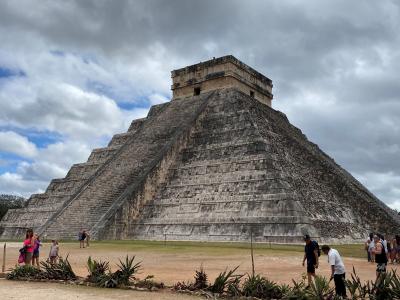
3,267
252,254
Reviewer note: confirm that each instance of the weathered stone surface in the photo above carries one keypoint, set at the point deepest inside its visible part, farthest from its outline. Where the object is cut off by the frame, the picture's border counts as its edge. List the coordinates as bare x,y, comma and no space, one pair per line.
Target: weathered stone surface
213,167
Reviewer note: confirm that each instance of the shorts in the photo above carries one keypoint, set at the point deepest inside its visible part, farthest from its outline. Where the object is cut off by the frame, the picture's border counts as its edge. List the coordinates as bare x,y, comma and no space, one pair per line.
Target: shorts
381,268
28,257
311,267
35,254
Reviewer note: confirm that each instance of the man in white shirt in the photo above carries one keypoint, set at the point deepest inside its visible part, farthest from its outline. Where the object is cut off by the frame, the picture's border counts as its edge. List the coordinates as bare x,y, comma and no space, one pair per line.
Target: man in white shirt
337,268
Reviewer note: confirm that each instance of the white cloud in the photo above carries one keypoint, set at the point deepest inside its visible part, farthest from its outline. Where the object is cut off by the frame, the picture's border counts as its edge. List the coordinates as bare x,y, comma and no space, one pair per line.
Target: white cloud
335,73
14,143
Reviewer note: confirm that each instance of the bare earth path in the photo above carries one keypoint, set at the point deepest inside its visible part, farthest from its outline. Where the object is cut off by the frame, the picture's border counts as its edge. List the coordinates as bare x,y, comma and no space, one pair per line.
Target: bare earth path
39,291
173,263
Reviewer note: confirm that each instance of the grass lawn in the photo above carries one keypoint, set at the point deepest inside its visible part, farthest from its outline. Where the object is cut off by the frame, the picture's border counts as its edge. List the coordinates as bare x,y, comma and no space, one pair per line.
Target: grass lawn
350,250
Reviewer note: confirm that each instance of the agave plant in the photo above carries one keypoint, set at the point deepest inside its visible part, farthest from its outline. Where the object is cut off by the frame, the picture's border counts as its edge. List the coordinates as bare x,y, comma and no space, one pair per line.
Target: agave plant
200,279
395,285
260,287
61,270
223,280
357,289
127,270
382,287
320,289
24,272
297,292
96,269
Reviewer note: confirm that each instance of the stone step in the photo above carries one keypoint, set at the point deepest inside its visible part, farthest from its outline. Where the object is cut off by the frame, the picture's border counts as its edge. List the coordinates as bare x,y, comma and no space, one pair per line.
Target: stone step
223,177
83,170
136,124
97,198
101,155
120,139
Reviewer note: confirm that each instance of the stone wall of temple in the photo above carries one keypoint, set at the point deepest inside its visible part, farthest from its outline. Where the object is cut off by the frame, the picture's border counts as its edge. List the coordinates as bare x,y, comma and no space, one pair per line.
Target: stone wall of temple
213,167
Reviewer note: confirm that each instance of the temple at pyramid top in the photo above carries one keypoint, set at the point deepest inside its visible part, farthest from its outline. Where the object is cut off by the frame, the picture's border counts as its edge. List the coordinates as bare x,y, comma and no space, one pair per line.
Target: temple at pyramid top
217,73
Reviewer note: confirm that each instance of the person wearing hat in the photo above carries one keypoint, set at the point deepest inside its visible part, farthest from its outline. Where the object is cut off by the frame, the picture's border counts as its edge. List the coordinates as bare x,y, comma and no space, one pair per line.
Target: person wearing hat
311,254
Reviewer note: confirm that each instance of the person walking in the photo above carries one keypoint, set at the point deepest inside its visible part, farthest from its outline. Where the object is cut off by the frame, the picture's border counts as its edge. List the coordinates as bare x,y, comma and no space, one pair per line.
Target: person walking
35,256
367,243
338,272
371,247
380,256
311,254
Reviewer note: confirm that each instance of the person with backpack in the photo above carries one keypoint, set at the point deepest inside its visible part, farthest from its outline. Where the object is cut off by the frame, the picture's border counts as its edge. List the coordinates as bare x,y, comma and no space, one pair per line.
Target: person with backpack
380,256
311,254
338,272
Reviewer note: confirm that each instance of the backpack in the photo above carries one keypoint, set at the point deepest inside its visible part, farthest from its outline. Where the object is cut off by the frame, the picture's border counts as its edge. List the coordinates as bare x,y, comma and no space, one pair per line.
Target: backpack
317,246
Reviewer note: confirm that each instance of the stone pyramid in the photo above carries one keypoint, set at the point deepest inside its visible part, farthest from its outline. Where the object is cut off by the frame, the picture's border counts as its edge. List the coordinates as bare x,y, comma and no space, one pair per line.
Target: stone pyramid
214,164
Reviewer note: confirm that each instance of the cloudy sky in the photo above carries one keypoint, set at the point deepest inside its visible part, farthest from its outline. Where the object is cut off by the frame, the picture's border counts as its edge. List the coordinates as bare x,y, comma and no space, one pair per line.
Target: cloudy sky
73,73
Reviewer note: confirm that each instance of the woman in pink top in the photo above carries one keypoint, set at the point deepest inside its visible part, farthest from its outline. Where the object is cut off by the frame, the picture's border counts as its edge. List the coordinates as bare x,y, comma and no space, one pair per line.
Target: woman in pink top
29,245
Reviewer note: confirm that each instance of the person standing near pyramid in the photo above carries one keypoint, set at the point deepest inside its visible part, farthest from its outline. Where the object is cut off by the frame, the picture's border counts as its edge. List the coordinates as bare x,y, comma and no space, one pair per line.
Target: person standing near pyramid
311,254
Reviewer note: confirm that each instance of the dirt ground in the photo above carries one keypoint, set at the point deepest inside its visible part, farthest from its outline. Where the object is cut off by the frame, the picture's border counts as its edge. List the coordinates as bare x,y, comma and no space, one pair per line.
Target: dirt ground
171,264
38,291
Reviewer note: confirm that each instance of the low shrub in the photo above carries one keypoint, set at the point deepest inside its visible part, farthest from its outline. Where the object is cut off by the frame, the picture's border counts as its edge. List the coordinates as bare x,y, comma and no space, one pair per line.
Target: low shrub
122,277
260,287
61,270
24,272
149,283
223,280
96,269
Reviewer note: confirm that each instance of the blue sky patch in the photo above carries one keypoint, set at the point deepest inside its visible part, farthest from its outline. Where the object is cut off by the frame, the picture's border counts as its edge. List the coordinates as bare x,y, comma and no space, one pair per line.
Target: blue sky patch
40,138
6,72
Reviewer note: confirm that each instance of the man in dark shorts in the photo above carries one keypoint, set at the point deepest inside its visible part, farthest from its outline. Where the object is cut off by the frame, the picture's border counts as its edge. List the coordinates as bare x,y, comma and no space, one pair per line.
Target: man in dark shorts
311,255
81,238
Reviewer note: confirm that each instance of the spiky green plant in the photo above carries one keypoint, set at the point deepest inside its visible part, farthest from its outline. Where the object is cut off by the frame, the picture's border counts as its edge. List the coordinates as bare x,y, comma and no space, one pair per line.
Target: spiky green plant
200,279
320,289
61,270
260,287
395,285
382,287
127,270
223,280
96,269
24,272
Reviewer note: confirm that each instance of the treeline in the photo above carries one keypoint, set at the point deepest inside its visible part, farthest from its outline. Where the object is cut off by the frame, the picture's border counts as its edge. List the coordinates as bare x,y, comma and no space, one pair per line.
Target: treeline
10,201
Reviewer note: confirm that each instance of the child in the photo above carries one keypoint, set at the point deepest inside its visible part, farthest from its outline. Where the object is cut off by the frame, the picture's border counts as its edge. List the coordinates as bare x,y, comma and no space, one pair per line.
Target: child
53,255
35,256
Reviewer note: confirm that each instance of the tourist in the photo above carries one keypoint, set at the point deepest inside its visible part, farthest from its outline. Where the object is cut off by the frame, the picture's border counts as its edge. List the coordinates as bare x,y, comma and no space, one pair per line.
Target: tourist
371,247
384,242
398,248
311,254
29,244
389,249
394,250
338,272
53,255
380,256
367,242
87,238
35,256
82,237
